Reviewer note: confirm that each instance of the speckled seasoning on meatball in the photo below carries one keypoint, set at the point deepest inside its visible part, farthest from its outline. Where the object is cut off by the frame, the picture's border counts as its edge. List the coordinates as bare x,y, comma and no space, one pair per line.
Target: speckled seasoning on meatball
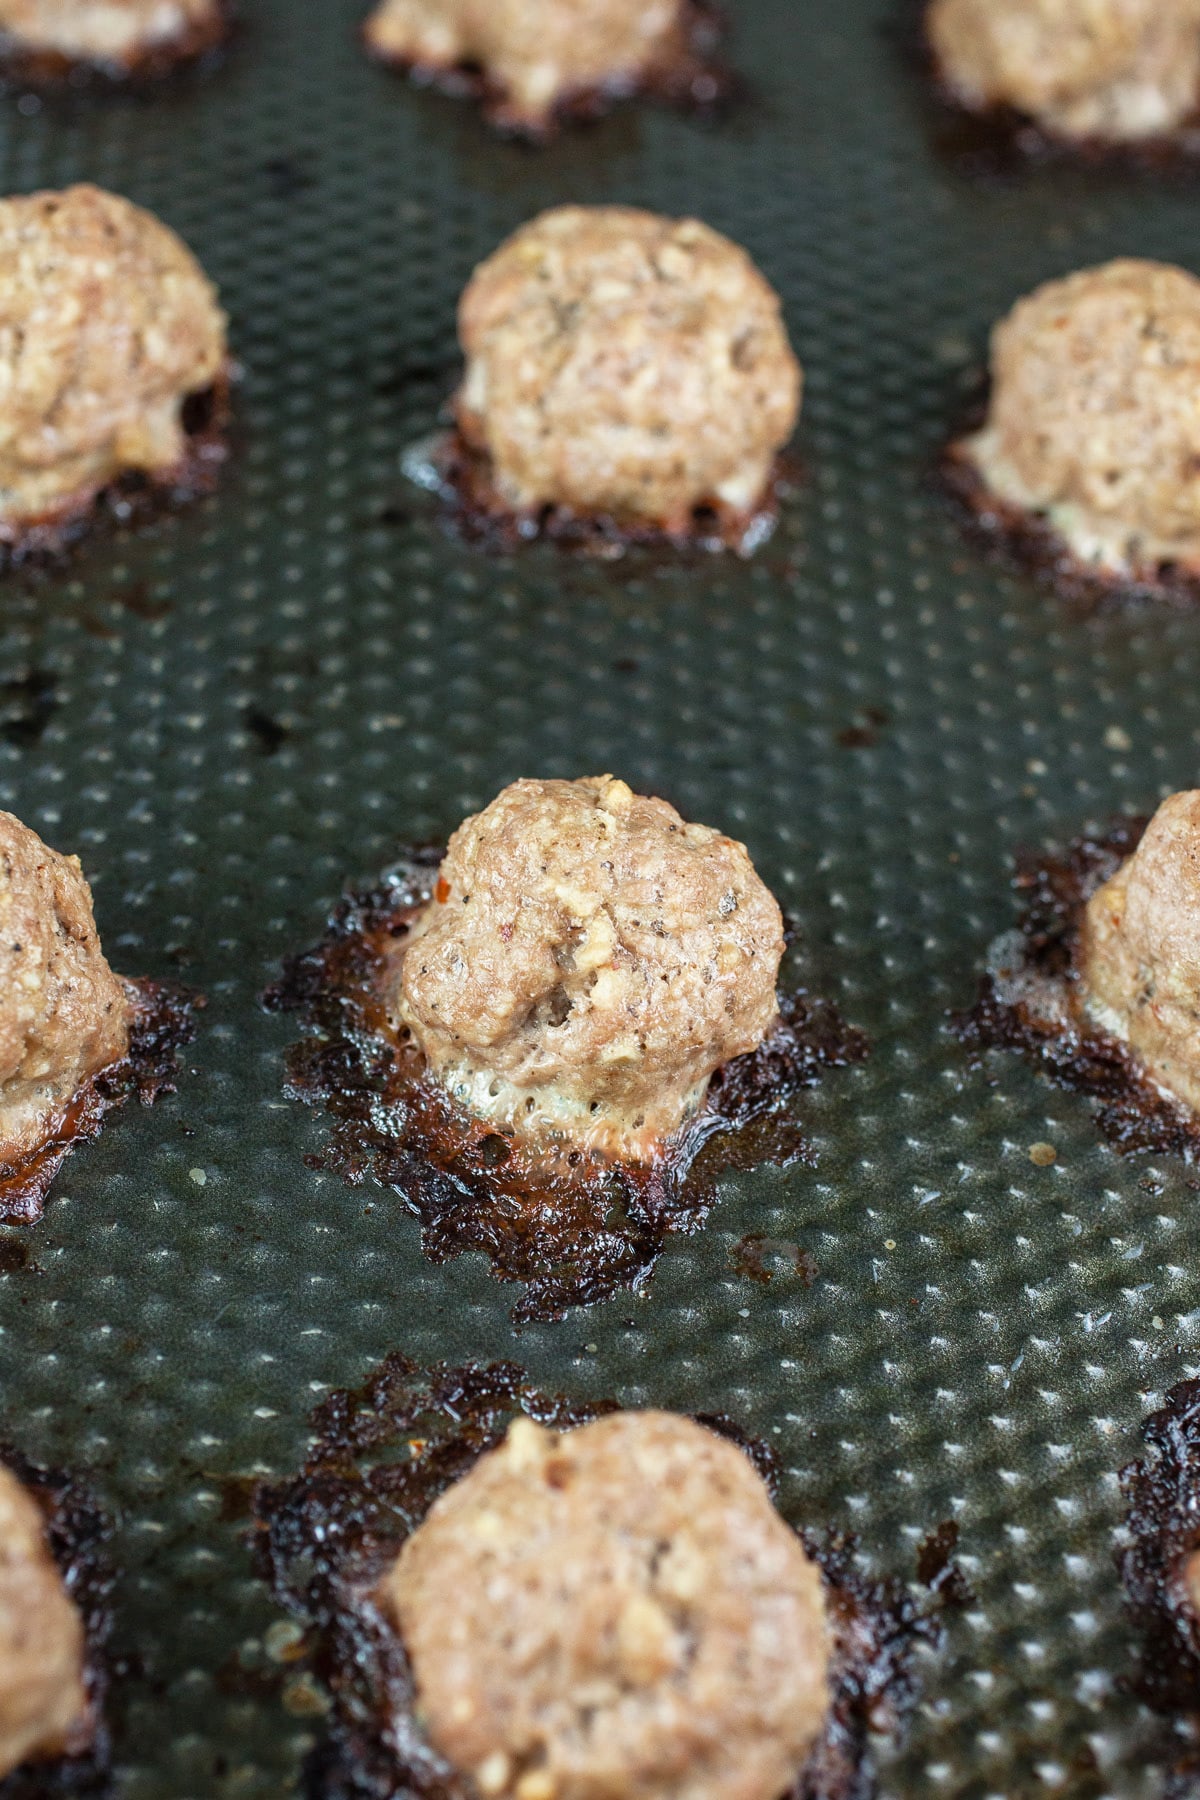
579,1001
535,62
1100,984
511,1595
53,1622
1085,71
1092,437
109,329
587,962
75,1039
626,370
56,40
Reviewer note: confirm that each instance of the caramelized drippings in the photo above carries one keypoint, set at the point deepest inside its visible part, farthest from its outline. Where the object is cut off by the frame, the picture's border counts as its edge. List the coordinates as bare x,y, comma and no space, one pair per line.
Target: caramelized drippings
574,1225
161,1022
383,1454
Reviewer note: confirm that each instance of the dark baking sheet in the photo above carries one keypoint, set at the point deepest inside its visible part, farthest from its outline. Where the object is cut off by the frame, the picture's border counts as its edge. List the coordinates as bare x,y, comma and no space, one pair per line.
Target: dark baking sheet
232,713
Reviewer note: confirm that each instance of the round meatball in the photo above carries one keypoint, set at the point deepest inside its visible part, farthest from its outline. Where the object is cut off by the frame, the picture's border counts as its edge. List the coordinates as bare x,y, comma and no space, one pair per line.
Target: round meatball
1140,950
107,325
107,32
43,1703
1118,70
588,961
64,1015
616,1610
534,53
622,364
1094,420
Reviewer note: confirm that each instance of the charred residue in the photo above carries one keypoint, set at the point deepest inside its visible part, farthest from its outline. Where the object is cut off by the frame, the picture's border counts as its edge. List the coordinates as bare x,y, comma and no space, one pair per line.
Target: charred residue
573,1226
382,1455
28,702
1035,1005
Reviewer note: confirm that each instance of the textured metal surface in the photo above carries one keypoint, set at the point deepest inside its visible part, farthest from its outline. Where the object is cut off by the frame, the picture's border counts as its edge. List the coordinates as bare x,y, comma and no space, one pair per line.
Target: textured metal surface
983,1334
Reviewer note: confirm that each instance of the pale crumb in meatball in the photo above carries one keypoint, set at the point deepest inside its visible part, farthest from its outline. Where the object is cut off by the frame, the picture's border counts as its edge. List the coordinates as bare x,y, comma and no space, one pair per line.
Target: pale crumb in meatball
106,31
535,53
107,325
622,364
43,1703
587,962
616,1610
1140,949
64,1015
1115,70
1094,420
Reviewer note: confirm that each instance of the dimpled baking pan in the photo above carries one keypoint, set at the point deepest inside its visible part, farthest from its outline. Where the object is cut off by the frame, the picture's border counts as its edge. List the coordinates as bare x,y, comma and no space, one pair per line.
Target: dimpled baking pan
240,707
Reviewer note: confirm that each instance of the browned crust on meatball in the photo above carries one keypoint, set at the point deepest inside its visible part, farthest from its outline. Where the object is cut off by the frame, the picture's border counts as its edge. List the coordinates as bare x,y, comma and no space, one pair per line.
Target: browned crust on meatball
691,74
575,1227
1032,999
382,1455
77,1532
40,70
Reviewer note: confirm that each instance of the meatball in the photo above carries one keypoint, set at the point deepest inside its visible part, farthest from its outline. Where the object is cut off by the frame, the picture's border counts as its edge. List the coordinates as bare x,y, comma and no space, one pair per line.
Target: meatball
64,1015
622,364
587,962
108,32
43,1703
1118,70
1140,949
533,53
616,1610
107,325
1094,420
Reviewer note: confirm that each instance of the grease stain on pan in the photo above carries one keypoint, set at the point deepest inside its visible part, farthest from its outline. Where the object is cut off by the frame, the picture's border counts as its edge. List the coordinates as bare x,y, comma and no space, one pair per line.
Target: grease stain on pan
383,1453
1030,999
575,1227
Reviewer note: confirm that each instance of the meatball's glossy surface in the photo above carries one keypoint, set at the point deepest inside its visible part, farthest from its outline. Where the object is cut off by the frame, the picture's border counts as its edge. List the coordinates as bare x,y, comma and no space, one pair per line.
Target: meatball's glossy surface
587,962
615,1610
626,365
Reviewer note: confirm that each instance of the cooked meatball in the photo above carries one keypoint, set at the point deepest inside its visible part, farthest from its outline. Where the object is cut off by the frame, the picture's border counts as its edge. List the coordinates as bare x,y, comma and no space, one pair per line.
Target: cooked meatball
587,962
617,1610
1094,420
1118,70
108,32
107,325
534,53
622,364
43,1705
1140,950
64,1015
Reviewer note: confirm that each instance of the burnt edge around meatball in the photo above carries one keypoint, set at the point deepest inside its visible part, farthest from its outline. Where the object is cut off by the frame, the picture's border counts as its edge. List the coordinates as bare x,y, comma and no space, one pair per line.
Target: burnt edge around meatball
161,1022
1027,542
1161,1531
383,1453
26,68
691,74
1133,1112
77,1530
137,496
460,475
474,1186
1001,140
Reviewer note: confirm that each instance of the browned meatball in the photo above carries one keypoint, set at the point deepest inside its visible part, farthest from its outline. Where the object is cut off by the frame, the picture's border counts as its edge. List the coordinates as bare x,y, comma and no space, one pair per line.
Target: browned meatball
614,1611
587,963
623,364
64,1015
107,325
536,53
1111,69
43,1704
1140,949
117,32
1094,420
